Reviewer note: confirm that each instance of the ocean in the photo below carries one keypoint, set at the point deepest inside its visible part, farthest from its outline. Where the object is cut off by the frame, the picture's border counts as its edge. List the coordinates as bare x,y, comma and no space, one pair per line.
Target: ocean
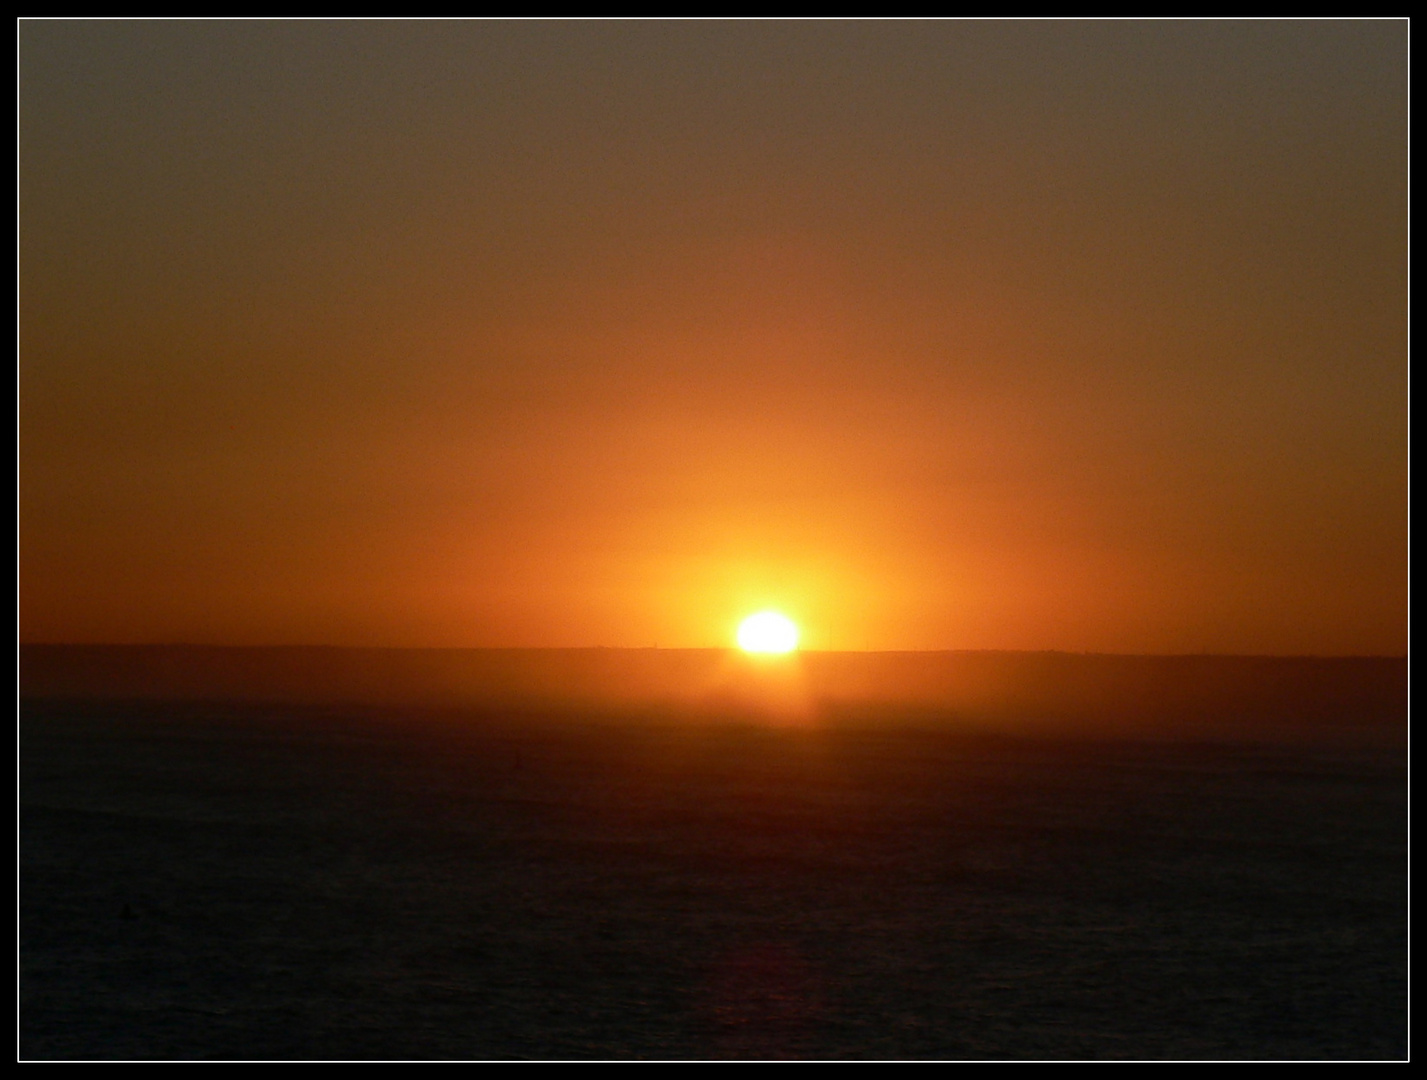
201,880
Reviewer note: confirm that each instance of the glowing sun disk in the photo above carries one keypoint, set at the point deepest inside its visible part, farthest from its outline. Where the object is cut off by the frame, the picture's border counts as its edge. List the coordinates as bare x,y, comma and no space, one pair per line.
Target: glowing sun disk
767,632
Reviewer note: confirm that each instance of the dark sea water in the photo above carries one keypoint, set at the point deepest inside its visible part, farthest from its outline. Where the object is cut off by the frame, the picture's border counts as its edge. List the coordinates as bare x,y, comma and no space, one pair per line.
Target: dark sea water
246,882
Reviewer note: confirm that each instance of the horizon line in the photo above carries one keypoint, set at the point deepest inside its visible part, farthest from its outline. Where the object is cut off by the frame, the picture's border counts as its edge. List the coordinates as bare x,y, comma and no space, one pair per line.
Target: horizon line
696,648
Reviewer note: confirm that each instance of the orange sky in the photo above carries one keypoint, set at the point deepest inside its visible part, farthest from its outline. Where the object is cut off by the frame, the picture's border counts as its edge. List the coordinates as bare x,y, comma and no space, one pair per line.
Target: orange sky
951,335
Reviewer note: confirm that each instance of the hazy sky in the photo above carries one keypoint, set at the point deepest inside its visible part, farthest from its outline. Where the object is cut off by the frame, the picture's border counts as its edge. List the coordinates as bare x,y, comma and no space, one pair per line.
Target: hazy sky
1032,335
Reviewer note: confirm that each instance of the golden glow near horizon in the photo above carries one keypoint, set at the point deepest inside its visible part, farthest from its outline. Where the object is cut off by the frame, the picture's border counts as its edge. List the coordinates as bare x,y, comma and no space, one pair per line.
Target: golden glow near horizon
767,632
414,358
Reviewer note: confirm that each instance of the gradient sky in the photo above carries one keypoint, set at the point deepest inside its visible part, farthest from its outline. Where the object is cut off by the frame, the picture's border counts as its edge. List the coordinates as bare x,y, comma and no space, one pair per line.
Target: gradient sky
1019,335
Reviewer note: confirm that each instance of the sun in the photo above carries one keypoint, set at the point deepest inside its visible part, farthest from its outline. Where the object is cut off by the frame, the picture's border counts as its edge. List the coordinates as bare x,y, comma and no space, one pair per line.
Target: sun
767,632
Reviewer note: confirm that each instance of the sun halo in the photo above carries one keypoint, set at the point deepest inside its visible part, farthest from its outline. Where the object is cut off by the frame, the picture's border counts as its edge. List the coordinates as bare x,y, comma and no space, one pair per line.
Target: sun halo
767,632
